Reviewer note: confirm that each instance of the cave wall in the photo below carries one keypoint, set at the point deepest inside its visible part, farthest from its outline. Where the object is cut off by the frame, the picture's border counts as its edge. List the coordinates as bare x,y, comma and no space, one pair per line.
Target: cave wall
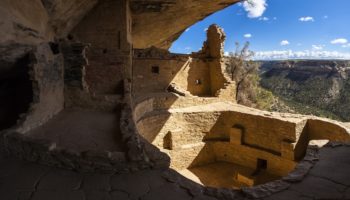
24,22
160,22
23,25
46,74
65,15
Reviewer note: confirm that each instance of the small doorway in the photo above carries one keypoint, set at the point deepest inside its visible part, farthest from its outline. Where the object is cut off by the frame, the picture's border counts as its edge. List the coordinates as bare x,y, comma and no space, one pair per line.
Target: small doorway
261,164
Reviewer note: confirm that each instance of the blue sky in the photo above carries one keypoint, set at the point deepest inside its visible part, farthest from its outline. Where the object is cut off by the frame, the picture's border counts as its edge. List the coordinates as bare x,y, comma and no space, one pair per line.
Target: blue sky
279,29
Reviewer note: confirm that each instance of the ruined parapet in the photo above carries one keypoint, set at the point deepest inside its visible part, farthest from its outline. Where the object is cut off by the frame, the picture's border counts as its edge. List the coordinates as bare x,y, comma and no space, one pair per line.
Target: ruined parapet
213,53
214,46
75,62
76,90
199,74
46,75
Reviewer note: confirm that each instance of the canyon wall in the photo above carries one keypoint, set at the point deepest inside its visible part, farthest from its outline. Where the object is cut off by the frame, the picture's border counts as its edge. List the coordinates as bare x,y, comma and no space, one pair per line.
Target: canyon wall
321,84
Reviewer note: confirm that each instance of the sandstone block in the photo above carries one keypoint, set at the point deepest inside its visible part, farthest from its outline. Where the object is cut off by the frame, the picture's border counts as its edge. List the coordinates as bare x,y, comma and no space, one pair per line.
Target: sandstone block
236,136
287,150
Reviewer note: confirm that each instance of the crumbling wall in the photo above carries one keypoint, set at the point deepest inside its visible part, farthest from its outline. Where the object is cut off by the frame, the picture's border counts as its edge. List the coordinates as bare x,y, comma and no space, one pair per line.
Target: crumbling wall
213,52
201,74
46,71
191,75
16,92
108,29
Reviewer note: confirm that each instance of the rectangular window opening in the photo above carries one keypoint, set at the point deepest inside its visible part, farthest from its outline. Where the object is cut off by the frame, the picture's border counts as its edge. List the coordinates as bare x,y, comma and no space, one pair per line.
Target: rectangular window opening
155,69
261,164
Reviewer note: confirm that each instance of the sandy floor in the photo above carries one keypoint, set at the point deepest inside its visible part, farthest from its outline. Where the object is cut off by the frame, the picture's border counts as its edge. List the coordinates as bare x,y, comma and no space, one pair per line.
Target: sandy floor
83,130
222,174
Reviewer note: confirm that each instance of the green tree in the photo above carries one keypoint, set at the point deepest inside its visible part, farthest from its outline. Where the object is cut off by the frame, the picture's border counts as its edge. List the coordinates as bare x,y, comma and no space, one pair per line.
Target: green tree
243,70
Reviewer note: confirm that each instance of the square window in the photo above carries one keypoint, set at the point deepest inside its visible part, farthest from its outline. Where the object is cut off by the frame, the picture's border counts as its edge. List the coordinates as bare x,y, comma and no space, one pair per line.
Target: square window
261,164
155,69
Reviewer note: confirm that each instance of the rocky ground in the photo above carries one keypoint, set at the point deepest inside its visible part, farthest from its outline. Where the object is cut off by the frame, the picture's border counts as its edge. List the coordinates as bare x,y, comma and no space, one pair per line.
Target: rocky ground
328,179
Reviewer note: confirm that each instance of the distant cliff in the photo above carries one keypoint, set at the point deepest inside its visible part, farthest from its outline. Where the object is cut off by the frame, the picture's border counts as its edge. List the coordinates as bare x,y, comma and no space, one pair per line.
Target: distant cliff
320,84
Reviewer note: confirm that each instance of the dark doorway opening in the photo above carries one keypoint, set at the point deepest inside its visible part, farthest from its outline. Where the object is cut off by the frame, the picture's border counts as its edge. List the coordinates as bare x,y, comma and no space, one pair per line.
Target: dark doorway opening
261,164
16,92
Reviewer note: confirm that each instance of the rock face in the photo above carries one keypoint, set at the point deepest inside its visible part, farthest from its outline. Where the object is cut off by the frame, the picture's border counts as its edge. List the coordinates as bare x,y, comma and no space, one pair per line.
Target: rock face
163,21
65,15
322,84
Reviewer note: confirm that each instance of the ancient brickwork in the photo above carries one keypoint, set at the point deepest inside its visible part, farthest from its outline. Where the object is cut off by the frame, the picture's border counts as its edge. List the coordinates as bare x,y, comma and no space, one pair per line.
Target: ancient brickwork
107,29
201,74
46,71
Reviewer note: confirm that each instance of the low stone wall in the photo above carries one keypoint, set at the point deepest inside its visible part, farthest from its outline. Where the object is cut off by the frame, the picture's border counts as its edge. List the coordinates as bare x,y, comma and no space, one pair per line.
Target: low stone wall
184,133
256,192
139,153
139,149
46,152
165,101
248,156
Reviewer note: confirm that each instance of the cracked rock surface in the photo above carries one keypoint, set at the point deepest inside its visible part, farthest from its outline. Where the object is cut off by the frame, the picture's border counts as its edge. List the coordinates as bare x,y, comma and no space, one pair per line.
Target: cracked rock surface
328,179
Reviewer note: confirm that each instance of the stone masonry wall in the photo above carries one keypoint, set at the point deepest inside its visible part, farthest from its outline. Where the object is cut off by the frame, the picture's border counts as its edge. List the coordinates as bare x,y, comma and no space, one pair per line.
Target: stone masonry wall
106,28
48,85
164,71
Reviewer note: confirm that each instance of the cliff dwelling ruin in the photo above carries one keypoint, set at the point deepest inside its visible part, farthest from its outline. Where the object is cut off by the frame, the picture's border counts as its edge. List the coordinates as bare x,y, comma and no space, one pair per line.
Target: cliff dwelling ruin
90,85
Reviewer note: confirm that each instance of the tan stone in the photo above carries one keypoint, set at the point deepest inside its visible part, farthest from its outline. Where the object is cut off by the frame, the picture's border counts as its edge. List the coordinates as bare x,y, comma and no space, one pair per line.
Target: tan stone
236,136
247,180
287,150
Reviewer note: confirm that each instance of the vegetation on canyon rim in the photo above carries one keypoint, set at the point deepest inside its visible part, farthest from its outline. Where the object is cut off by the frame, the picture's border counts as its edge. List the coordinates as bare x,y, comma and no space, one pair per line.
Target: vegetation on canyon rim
245,72
255,89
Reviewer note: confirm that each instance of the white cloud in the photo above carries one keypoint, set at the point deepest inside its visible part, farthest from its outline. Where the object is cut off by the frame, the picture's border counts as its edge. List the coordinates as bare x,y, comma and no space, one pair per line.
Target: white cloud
317,47
299,44
187,30
263,18
339,41
275,18
255,8
284,42
325,17
206,29
346,45
306,54
248,35
306,19
188,48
